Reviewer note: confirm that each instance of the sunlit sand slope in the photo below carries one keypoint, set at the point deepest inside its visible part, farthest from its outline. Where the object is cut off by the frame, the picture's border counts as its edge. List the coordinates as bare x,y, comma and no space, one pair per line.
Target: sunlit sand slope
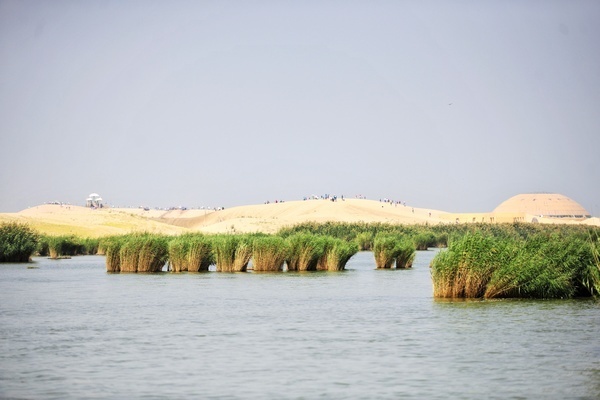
82,221
267,218
270,218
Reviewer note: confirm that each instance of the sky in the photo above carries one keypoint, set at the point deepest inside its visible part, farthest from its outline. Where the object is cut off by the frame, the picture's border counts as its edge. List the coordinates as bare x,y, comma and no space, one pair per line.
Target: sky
450,105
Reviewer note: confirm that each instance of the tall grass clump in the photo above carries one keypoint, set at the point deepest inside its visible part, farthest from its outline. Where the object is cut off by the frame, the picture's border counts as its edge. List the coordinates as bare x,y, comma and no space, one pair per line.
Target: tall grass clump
89,246
232,252
386,248
269,253
60,246
364,241
17,242
544,267
405,254
111,246
442,239
425,240
190,252
143,253
42,248
305,250
465,269
486,265
591,279
336,254
70,245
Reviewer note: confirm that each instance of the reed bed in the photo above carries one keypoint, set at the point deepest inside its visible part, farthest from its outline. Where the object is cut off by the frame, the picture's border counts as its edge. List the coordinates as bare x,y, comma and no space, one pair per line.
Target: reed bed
190,252
18,242
199,253
545,267
387,248
336,254
60,246
89,246
592,276
364,241
67,245
143,253
481,265
305,250
431,235
466,268
364,233
111,247
269,253
425,240
232,252
405,254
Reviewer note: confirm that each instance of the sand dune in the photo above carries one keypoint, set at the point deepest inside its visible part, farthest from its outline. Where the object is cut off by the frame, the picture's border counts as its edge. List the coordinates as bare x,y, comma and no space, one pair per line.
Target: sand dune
66,220
270,218
267,218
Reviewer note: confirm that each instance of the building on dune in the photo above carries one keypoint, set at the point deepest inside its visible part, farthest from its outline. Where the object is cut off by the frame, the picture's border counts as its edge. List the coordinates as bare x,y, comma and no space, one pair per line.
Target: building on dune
94,201
529,207
543,205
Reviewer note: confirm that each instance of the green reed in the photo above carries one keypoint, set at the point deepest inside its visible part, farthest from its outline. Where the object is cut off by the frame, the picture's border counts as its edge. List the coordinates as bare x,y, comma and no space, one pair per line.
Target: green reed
387,248
17,242
190,252
111,247
405,254
269,253
336,254
544,265
232,252
305,250
143,253
364,240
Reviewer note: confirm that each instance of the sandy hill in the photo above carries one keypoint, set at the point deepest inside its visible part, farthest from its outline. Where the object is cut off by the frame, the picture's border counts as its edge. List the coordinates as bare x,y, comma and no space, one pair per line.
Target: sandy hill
267,218
83,221
270,218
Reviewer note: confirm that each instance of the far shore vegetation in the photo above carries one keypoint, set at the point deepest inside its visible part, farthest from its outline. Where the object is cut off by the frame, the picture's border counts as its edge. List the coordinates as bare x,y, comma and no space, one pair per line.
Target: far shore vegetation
519,260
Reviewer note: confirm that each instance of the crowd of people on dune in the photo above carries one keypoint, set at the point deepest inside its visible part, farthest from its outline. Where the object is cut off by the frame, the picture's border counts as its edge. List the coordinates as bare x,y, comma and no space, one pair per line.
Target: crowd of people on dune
334,198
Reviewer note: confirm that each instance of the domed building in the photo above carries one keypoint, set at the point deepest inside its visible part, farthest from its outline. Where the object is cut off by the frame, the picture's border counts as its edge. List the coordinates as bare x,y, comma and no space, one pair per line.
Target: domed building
94,200
548,205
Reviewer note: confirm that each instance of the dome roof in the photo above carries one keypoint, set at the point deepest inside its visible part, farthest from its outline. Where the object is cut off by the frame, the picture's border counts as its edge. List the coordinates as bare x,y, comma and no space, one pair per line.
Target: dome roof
544,205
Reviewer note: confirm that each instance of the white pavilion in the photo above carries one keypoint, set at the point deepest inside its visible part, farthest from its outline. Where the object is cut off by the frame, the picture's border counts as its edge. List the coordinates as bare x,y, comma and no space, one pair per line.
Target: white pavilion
94,200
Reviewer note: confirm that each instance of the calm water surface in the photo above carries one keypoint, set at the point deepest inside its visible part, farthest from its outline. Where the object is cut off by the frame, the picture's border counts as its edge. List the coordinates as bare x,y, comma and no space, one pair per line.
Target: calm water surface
70,330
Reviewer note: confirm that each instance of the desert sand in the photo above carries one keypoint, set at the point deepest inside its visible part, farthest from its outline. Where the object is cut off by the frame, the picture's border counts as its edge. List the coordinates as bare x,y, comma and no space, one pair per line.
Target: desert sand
266,218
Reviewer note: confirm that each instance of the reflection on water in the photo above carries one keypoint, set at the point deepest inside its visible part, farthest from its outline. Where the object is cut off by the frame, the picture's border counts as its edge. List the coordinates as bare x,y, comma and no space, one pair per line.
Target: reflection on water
70,330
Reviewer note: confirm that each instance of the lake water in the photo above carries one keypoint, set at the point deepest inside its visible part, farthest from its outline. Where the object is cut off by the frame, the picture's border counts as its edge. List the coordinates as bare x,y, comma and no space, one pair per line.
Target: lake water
70,330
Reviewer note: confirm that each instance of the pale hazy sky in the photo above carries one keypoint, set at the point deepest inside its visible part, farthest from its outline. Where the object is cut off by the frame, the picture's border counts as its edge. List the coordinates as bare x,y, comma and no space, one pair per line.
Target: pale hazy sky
451,105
